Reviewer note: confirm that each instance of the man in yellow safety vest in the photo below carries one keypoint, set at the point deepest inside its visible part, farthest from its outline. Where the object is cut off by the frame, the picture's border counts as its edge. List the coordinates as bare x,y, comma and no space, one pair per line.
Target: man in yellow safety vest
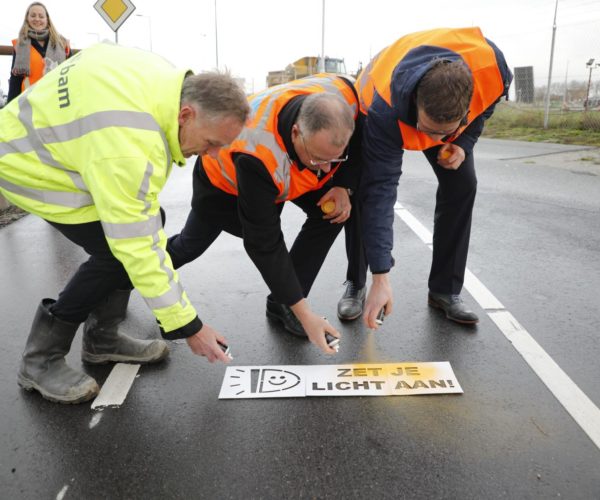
88,149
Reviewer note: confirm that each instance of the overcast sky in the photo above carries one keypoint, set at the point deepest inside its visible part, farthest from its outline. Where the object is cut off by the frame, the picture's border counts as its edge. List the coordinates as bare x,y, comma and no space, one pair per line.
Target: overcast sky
256,36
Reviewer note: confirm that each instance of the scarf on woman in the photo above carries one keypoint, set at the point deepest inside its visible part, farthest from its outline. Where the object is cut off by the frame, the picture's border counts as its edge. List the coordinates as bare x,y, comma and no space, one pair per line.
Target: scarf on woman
55,54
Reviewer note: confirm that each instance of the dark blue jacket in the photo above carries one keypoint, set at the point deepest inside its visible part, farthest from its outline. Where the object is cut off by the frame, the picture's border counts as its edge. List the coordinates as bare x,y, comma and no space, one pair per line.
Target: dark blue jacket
382,147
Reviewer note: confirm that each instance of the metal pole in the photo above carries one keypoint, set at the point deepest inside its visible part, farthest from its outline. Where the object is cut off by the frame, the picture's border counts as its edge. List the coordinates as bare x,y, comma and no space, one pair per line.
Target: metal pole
117,37
150,31
587,93
322,61
217,38
547,105
566,96
149,28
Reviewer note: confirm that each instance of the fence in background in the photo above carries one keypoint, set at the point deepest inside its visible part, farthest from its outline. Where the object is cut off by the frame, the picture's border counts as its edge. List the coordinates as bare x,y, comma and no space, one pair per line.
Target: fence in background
574,101
574,95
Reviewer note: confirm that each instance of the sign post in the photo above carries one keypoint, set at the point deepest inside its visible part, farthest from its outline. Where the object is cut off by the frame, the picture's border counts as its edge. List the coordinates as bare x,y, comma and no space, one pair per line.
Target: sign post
115,13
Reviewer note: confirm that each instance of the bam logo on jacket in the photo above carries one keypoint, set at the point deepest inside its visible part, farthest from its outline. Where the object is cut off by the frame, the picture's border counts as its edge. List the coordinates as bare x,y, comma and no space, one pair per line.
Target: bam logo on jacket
63,82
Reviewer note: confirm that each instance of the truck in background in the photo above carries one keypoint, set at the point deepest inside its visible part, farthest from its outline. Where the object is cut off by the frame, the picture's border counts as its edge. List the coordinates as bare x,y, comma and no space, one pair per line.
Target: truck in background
305,66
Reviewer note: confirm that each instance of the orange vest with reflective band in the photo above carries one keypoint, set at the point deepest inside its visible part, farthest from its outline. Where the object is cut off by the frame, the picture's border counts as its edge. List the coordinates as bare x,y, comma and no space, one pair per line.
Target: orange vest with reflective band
472,47
36,66
260,139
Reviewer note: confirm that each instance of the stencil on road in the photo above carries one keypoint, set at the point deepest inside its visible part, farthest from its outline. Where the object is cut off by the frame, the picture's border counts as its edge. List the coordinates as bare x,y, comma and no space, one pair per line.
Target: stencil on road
386,379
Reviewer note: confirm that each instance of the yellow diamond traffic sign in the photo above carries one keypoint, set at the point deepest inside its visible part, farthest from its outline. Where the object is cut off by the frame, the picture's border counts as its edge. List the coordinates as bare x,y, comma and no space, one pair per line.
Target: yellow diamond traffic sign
114,12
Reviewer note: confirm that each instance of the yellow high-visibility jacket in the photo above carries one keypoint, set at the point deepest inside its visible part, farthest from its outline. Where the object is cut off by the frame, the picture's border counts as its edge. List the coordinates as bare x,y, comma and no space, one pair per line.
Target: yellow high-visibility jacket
95,140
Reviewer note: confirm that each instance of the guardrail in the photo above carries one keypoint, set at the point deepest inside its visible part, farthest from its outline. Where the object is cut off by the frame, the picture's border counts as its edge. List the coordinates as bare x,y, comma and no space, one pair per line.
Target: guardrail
7,50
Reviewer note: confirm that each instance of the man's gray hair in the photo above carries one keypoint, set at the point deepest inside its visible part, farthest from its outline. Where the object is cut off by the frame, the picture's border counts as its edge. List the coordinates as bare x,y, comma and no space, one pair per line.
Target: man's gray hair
328,111
217,95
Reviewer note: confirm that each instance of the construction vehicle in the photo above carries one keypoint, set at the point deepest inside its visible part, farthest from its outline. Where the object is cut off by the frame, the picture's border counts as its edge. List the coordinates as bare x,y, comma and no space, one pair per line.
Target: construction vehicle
305,66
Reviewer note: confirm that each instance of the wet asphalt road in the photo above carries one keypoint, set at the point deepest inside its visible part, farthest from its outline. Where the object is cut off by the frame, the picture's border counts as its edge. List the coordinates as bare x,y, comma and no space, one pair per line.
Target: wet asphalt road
535,245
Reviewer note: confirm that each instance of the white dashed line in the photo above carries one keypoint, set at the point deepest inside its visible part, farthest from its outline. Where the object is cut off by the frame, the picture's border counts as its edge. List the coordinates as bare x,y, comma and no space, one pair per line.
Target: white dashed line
570,396
95,420
117,385
62,492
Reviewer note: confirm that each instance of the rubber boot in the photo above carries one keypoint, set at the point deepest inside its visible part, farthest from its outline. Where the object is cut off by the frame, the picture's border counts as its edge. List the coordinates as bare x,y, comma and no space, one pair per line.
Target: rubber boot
102,342
43,366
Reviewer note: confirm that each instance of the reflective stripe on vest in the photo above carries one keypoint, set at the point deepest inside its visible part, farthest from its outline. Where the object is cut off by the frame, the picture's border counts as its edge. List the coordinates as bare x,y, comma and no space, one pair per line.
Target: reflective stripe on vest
62,198
167,299
260,138
37,138
133,229
468,43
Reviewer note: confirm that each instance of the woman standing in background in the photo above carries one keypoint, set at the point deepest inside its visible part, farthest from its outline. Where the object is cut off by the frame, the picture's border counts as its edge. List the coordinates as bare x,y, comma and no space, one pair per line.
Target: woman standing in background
38,49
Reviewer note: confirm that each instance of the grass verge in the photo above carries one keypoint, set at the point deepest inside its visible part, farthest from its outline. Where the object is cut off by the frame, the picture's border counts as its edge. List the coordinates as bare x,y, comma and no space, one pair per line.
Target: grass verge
521,123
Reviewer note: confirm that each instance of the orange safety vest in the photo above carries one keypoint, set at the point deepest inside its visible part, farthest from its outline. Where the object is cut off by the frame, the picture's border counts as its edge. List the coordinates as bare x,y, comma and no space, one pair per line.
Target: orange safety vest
472,47
36,65
260,139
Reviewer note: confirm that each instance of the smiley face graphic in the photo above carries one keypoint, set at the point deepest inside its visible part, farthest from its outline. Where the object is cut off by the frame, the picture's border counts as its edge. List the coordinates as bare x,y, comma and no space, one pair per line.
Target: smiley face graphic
272,380
263,381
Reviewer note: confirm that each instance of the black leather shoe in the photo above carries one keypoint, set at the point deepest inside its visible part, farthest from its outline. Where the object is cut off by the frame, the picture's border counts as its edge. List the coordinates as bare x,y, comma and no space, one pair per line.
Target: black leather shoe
352,302
454,308
283,314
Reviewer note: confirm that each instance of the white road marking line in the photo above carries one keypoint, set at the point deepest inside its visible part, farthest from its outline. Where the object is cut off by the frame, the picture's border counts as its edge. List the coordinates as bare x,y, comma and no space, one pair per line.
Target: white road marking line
569,395
573,399
117,385
411,221
62,492
480,293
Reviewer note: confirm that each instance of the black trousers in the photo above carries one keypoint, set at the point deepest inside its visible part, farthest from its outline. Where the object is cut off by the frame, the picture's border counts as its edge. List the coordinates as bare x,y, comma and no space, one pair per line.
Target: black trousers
355,251
455,198
307,253
96,278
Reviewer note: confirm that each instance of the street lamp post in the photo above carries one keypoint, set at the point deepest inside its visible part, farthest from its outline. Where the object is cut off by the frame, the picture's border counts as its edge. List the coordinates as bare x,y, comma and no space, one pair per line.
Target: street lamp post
321,67
149,28
216,39
590,64
547,100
